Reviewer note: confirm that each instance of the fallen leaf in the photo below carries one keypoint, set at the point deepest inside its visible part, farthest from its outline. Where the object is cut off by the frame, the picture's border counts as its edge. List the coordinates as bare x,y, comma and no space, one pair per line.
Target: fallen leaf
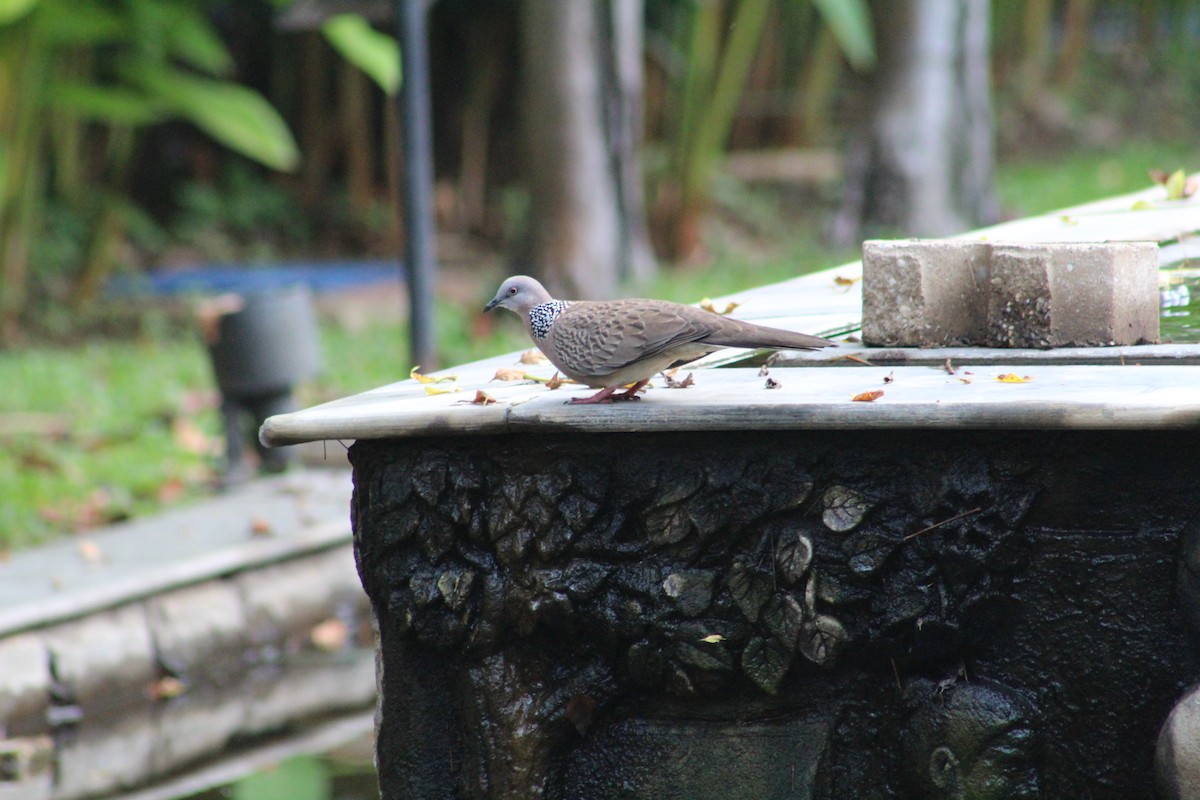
1142,205
259,526
948,367
839,280
868,397
191,439
555,382
171,490
432,390
890,377
964,380
415,373
1012,377
707,305
773,384
482,398
90,552
674,383
330,636
1159,176
1068,220
166,688
534,356
713,638
854,358
509,374
580,711
763,371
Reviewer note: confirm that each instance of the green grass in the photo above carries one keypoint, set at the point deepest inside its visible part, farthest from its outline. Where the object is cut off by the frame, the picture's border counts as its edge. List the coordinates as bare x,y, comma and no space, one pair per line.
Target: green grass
1037,185
134,424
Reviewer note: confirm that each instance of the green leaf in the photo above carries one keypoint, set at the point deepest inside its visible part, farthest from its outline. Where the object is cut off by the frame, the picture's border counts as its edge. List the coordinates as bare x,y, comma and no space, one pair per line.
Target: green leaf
12,10
850,22
106,104
375,53
191,38
236,116
85,23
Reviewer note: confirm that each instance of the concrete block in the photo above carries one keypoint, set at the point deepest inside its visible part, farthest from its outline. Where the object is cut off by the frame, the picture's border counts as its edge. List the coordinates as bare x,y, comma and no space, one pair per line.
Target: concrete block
927,293
105,758
198,724
199,630
24,685
1009,294
292,596
26,768
104,661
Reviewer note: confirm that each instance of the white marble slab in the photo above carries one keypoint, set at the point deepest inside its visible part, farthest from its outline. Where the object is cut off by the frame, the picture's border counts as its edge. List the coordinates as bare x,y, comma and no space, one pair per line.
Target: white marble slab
1060,396
1055,397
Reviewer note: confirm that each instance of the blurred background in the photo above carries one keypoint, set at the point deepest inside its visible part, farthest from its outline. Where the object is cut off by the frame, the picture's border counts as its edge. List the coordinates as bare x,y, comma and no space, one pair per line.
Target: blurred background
157,153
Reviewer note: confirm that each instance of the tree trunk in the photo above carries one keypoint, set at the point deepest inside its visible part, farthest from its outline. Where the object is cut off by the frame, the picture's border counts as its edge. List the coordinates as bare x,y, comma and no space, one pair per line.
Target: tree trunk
923,163
582,137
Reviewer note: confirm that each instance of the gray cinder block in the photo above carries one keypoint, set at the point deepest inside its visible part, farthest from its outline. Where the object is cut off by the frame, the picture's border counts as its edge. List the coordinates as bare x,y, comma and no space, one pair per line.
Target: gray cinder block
934,291
1009,294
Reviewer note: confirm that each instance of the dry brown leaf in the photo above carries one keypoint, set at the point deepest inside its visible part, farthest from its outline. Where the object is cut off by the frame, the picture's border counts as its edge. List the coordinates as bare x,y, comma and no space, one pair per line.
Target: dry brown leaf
330,636
948,367
555,382
509,374
868,397
1012,377
676,383
482,398
166,688
534,356
841,280
964,380
191,439
260,526
90,552
171,490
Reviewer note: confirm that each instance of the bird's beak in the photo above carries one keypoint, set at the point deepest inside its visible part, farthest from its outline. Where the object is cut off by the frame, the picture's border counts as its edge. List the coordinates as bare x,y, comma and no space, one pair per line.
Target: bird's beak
494,302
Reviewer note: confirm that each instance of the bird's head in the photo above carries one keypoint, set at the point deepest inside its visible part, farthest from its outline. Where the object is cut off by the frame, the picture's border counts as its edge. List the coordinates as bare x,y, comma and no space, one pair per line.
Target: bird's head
519,293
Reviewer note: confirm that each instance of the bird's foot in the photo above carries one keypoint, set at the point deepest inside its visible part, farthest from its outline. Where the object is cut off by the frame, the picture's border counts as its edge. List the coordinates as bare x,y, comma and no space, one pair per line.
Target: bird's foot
606,395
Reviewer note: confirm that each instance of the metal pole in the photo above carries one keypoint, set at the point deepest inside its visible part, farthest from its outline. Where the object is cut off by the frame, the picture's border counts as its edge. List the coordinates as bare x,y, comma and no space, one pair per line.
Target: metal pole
419,259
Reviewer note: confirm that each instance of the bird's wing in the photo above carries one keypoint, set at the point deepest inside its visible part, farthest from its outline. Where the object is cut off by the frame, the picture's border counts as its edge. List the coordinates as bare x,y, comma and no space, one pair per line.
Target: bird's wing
598,338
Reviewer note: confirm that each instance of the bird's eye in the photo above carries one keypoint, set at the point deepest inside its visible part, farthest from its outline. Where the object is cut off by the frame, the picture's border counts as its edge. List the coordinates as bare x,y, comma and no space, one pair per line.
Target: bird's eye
513,290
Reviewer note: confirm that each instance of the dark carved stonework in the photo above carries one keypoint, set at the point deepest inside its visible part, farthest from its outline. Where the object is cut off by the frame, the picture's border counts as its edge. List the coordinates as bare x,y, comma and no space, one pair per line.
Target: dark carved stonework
762,615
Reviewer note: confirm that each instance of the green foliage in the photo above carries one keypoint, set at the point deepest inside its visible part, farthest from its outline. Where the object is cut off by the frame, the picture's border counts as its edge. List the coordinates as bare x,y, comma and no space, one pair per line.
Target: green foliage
78,73
850,21
375,53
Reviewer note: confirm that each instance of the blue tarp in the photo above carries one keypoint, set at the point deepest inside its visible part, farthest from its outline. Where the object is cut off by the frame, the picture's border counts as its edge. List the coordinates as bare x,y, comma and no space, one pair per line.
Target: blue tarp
319,276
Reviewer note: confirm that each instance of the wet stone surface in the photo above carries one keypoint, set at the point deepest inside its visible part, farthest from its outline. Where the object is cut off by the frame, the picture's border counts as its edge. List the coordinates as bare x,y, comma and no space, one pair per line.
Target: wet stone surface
546,601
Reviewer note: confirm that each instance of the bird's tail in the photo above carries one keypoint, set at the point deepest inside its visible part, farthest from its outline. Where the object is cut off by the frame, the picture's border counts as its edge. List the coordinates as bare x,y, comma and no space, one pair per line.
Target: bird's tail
736,333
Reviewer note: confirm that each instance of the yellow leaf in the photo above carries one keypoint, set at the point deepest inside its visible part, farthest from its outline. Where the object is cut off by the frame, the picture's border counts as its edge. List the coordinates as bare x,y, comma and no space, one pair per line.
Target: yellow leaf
1176,183
1012,377
867,397
432,390
1068,220
415,373
713,638
1142,205
707,305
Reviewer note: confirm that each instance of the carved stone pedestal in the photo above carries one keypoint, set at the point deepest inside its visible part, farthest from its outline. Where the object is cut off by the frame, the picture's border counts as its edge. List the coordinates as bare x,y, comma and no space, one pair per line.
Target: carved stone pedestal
779,614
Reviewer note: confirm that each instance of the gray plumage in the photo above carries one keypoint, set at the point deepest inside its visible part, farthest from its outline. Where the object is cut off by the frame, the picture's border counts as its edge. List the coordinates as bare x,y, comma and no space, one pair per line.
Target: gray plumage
614,343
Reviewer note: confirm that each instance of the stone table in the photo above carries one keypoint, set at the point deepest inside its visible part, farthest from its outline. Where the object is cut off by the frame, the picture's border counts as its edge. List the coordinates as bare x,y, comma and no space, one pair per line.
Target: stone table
733,591
966,587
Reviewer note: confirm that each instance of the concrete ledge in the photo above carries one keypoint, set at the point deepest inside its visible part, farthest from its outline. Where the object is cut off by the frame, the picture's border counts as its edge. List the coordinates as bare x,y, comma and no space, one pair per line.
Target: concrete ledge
1006,294
189,630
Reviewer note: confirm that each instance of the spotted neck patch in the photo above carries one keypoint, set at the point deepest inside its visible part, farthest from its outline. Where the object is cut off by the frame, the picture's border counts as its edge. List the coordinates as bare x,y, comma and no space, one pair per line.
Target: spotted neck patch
542,316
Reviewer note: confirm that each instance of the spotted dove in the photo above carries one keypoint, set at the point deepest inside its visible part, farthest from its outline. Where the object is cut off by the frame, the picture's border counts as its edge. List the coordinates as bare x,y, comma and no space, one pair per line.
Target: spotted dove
616,343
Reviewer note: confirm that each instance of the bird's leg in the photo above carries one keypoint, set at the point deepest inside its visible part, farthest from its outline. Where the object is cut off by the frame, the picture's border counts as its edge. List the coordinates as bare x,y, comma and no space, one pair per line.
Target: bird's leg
606,395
